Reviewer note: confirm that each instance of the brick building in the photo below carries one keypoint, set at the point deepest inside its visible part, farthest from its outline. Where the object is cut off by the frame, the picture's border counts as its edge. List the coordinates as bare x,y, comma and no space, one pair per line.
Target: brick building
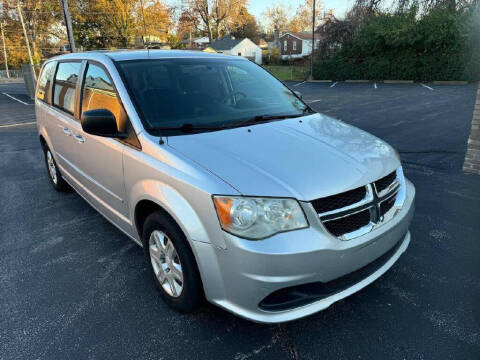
297,44
472,159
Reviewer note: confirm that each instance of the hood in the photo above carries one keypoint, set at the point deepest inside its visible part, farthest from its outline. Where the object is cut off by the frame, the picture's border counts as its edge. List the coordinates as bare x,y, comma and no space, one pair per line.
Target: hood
305,158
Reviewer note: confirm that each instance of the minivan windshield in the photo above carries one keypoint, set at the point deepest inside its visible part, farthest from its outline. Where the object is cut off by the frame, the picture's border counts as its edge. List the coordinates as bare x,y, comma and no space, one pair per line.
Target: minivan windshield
184,95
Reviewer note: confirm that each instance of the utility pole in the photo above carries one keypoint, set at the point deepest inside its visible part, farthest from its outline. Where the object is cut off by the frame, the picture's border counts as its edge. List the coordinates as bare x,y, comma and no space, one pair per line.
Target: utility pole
26,37
68,24
4,50
313,40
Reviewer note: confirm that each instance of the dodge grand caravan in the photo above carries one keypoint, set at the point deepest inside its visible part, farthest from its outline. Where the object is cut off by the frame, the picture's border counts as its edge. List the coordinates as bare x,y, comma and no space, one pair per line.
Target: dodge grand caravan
236,189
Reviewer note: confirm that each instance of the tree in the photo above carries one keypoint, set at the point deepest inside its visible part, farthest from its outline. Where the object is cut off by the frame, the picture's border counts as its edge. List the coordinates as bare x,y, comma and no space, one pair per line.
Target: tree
156,17
200,10
225,11
334,33
175,42
115,23
187,25
213,16
244,25
302,21
40,18
276,17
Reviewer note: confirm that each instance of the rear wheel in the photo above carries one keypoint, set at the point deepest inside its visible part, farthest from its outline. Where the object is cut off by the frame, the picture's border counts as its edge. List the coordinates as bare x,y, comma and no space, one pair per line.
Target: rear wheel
54,175
171,263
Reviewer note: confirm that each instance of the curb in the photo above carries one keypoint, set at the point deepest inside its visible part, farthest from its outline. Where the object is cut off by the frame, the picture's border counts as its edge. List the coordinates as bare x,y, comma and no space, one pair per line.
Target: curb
452,82
11,80
398,81
357,81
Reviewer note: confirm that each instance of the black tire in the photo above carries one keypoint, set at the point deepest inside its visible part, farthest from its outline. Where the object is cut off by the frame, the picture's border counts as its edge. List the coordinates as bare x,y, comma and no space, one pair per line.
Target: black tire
191,296
56,179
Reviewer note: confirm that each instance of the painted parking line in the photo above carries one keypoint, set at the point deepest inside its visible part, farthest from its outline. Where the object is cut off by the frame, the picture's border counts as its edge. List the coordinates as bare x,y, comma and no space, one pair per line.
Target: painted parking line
14,98
18,124
335,83
375,85
312,101
303,82
428,87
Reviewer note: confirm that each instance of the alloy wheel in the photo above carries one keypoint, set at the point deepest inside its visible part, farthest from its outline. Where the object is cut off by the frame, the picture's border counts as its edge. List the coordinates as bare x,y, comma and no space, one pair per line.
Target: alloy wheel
166,263
52,170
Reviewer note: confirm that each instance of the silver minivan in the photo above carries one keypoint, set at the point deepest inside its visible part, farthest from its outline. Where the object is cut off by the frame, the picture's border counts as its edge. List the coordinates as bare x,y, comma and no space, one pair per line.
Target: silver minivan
236,189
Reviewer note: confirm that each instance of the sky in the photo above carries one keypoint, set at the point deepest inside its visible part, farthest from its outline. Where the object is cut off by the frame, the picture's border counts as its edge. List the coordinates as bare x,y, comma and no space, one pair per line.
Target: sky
256,7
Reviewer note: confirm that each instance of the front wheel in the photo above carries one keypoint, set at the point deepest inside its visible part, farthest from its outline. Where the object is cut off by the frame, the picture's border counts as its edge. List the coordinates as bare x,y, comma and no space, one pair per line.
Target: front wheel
171,263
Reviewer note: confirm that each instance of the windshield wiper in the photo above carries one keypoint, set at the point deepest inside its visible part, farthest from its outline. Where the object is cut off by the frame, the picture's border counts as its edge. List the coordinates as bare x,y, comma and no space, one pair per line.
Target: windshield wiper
186,128
266,118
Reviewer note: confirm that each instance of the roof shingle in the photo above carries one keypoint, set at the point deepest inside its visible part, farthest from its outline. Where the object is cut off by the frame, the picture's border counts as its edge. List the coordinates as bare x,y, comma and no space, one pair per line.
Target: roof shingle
225,43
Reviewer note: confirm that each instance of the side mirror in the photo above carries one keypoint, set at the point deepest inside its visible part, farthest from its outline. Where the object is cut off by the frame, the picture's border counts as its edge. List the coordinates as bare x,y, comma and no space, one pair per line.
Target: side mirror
298,93
101,122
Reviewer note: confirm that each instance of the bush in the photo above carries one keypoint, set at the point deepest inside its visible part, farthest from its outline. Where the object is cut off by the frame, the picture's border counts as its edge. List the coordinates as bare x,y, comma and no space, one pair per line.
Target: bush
441,45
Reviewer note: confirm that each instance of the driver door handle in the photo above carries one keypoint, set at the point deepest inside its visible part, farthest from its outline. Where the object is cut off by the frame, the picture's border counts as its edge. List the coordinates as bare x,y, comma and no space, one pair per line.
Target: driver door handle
67,131
79,138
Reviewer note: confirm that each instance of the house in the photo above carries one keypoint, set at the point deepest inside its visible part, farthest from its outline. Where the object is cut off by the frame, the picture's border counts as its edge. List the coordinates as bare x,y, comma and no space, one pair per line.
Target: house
149,41
201,42
297,44
240,47
262,43
196,43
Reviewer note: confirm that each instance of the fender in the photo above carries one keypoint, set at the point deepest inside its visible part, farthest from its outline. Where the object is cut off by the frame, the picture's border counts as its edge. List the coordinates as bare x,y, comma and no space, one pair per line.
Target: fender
174,204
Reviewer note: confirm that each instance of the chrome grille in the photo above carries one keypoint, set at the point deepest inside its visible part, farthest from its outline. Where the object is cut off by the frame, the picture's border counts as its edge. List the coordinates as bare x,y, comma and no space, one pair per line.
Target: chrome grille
348,224
356,212
340,200
386,205
385,182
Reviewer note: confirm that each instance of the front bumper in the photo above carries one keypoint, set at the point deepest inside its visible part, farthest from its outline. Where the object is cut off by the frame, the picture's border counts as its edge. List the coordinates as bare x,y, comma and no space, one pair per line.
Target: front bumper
239,277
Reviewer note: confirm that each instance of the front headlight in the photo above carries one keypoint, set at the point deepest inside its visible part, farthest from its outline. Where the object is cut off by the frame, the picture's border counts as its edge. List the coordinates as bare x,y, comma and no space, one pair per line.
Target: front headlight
258,218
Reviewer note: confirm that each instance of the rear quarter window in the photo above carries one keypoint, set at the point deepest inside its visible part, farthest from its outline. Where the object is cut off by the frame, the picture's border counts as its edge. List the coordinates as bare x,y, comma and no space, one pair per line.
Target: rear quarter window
45,80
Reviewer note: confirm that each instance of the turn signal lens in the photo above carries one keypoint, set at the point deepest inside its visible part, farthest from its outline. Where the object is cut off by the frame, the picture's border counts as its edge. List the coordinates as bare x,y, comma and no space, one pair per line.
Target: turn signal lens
258,218
224,206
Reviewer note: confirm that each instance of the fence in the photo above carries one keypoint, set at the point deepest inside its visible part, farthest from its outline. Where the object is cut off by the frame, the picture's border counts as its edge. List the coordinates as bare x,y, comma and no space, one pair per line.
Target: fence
289,72
13,73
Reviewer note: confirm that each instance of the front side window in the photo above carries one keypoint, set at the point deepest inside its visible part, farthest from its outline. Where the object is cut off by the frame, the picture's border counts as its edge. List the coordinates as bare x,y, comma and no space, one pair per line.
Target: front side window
205,93
65,83
99,93
45,80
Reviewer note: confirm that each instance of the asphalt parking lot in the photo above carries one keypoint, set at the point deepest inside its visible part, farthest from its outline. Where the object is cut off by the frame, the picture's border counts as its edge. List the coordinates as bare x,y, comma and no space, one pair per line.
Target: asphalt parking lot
73,286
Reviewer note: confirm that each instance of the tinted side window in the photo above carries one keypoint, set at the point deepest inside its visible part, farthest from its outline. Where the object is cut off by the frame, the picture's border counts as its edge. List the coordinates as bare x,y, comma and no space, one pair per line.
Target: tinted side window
65,82
45,80
99,93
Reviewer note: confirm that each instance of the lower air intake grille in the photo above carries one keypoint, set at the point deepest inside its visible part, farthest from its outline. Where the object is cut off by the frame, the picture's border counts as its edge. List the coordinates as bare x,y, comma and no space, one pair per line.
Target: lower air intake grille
301,295
339,200
347,224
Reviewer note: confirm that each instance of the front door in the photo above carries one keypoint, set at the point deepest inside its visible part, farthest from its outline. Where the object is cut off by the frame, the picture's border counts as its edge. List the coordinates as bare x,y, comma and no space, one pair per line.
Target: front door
100,159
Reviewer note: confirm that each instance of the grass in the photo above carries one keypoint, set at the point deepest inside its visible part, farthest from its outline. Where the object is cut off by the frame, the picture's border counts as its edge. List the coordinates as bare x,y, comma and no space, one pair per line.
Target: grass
287,72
